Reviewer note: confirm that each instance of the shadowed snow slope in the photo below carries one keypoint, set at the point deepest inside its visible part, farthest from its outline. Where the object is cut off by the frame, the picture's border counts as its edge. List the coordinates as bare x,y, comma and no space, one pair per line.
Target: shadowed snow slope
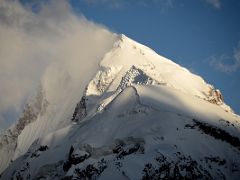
141,116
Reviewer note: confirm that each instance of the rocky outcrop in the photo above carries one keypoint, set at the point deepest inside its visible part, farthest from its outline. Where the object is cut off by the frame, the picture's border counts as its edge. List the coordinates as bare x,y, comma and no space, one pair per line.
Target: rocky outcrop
181,167
74,158
135,76
80,111
215,96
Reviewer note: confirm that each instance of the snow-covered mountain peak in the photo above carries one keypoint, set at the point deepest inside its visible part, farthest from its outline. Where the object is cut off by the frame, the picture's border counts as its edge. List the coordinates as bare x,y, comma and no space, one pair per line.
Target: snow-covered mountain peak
135,116
127,53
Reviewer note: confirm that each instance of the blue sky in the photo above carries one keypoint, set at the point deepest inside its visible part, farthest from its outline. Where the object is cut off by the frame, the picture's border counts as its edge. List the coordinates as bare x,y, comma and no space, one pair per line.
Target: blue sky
202,35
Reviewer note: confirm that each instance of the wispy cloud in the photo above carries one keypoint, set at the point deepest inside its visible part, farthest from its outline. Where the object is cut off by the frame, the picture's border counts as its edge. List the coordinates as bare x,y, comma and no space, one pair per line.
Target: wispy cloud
108,3
45,45
225,63
215,3
164,4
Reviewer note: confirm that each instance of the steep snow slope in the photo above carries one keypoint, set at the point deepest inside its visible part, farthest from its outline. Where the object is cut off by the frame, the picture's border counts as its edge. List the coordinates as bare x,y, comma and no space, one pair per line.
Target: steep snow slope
139,117
139,132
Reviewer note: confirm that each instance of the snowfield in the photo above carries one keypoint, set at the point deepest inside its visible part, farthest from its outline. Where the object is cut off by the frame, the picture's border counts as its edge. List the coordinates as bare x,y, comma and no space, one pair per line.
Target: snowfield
141,116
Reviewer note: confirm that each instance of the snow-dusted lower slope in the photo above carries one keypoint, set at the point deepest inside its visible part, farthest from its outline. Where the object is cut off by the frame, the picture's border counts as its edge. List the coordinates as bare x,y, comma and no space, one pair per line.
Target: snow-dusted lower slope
140,134
140,117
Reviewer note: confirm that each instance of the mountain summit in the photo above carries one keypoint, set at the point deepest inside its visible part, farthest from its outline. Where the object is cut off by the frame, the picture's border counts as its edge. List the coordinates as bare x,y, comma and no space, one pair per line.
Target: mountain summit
138,116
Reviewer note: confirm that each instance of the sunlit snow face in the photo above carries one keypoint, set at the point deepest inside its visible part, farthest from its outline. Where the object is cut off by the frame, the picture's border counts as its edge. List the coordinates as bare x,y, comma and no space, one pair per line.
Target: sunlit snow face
49,45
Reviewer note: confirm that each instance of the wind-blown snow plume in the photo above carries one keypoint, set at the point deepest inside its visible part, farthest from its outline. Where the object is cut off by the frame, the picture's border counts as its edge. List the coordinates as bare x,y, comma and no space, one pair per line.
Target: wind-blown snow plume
52,44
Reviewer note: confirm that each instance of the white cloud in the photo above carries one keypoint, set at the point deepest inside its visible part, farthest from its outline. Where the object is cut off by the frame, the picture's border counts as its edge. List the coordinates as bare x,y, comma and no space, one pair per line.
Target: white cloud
109,3
225,63
164,4
215,3
44,46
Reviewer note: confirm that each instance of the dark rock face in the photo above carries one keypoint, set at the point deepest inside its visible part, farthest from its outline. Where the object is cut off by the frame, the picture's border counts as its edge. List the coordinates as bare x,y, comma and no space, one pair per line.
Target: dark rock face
23,172
43,148
181,168
217,160
90,172
215,132
80,110
39,151
73,159
123,150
